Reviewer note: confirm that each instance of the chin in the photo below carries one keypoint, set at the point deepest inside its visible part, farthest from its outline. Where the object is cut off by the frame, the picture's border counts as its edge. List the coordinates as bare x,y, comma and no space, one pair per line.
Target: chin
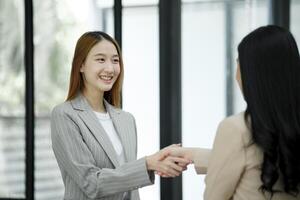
105,89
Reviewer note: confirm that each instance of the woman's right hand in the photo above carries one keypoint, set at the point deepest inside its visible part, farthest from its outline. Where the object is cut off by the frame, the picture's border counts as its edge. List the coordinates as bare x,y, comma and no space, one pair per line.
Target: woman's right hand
183,152
162,162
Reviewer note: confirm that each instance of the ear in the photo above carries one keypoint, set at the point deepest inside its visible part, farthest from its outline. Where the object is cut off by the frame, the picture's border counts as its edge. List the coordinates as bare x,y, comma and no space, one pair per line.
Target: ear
81,68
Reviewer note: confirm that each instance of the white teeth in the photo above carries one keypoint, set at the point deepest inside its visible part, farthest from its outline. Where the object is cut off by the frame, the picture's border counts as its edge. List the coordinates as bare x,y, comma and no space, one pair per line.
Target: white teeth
107,78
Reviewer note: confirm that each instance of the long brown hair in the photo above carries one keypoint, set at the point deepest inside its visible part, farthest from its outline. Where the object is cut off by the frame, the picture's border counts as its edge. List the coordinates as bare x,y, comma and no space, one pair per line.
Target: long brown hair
84,44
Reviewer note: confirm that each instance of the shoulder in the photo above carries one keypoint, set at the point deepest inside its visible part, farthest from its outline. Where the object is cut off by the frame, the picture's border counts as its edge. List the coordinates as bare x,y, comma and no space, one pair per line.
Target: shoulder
234,129
119,111
126,114
64,108
236,122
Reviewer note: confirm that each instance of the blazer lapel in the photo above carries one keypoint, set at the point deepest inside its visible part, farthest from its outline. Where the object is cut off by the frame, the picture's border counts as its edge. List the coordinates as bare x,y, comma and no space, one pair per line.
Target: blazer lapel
125,133
91,121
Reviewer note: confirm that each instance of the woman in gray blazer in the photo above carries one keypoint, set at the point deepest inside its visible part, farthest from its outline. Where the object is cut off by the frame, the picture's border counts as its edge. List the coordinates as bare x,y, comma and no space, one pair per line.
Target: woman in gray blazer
94,141
256,153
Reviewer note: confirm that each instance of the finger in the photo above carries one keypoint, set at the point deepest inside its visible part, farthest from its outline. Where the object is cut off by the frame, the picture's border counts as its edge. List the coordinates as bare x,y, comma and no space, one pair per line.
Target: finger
170,161
162,154
165,176
168,169
180,160
173,173
182,165
176,167
159,173
173,145
177,152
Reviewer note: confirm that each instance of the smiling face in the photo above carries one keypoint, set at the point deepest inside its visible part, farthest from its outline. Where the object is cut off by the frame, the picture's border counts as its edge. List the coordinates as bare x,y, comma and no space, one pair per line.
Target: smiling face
101,67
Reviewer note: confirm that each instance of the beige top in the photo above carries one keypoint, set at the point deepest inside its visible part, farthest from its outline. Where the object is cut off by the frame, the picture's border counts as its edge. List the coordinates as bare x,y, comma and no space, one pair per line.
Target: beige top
233,167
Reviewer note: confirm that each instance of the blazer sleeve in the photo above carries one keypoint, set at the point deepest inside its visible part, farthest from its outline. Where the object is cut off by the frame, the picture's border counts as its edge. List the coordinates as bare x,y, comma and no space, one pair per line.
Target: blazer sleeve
226,163
201,158
74,157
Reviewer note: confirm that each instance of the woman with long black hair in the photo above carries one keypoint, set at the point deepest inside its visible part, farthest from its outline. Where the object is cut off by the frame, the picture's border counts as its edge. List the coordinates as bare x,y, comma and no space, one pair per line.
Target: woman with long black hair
256,154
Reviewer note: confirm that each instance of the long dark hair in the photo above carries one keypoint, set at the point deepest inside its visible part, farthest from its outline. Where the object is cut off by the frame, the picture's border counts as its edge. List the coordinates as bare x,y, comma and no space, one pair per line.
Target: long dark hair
84,44
270,71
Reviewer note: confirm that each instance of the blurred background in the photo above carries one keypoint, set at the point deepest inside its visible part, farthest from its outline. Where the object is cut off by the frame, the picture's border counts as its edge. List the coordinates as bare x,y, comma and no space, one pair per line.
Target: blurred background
179,96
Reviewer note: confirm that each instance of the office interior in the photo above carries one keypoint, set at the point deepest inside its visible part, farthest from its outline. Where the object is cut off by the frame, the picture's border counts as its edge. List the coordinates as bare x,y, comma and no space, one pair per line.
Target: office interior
179,83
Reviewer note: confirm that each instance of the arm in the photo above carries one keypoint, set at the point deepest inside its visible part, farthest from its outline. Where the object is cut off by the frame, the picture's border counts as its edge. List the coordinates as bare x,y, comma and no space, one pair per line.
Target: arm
199,156
226,163
162,163
200,159
75,158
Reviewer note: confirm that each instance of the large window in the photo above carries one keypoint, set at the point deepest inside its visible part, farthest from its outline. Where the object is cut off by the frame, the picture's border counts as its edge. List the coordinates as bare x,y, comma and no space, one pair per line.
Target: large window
141,81
211,31
207,26
12,109
247,15
203,81
295,19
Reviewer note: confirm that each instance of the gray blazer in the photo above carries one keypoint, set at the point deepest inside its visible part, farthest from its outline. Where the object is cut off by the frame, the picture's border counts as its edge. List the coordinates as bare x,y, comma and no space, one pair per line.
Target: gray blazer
86,157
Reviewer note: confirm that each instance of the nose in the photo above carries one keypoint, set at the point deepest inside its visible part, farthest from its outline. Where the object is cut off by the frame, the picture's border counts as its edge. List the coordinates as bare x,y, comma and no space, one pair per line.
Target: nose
109,67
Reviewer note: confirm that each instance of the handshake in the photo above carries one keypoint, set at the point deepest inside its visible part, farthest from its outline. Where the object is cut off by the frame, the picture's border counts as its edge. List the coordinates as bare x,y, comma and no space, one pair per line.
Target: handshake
170,161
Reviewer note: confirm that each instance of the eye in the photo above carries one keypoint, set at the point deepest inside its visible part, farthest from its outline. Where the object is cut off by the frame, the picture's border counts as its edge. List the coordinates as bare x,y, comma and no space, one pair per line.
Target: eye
116,60
101,60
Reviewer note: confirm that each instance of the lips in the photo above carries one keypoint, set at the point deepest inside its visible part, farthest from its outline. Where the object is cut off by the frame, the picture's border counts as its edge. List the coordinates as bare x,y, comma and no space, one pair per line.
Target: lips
106,77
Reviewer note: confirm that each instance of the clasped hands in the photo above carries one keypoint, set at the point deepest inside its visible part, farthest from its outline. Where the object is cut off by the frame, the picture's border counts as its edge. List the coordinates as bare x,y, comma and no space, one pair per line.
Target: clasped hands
170,161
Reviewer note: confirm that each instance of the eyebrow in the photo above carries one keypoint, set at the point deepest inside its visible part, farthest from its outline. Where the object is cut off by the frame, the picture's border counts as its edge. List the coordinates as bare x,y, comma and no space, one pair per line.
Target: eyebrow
102,54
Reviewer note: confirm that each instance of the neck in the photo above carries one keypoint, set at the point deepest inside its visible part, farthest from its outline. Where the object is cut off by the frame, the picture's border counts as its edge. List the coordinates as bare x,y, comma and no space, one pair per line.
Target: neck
95,99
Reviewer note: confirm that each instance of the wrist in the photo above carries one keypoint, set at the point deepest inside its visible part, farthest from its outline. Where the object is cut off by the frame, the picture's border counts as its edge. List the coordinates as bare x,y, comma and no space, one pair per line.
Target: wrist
190,154
149,163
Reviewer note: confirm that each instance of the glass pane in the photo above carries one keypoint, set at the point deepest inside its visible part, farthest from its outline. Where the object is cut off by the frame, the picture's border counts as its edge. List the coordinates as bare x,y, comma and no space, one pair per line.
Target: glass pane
58,25
203,1
295,19
203,88
12,110
204,72
247,16
139,2
141,82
